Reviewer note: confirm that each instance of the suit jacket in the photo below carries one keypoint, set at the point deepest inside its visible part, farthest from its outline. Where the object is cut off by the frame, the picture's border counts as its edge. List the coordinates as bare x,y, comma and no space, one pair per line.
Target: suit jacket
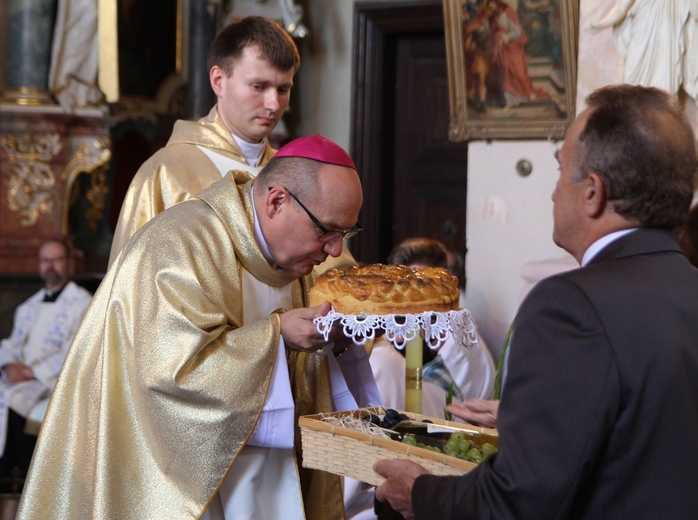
599,417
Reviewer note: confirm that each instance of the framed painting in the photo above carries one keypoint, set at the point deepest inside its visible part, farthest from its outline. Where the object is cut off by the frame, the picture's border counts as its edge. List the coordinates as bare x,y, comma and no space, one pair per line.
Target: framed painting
511,68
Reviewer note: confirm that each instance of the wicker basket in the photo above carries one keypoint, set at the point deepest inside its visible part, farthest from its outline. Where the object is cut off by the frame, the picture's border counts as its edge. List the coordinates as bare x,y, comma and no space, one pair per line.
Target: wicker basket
351,453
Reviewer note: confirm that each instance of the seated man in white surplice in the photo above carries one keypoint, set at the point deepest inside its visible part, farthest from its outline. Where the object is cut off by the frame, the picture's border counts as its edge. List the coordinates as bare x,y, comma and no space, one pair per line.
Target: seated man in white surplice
32,357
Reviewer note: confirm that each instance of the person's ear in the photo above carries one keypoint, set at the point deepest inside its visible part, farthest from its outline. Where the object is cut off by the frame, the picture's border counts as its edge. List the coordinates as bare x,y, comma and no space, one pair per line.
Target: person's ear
273,202
595,196
215,76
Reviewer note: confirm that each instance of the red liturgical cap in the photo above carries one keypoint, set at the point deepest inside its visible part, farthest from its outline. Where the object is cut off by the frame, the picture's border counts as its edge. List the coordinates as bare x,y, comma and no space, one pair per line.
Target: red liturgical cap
318,148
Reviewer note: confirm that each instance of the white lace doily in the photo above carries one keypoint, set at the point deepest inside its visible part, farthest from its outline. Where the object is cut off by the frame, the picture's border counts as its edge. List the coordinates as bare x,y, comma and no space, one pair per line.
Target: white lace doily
401,328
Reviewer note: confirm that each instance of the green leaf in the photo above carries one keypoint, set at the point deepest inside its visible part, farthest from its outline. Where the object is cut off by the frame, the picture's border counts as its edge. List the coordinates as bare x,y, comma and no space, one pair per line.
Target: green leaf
449,399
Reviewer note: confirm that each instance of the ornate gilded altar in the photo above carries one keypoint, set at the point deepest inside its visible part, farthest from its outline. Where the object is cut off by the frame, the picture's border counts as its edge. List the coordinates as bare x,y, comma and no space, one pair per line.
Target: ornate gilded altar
48,159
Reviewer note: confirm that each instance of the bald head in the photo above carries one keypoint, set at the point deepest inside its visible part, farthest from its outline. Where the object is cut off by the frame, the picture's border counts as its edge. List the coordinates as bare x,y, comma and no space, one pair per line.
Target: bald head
305,208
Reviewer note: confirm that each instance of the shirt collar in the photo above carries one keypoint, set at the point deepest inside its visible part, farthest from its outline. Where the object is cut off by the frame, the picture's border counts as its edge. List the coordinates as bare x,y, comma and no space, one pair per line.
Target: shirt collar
251,151
258,233
595,248
52,296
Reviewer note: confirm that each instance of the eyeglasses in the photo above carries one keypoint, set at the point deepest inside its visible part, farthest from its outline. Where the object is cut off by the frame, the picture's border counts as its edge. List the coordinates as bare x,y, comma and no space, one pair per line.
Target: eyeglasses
328,235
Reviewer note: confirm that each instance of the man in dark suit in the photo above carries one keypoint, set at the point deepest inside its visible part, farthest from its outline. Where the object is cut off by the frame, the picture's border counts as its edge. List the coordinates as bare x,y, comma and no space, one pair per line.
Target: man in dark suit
599,412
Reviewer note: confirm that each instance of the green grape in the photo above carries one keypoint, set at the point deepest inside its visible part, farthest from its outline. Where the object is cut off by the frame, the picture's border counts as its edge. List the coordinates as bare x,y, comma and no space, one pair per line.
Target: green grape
451,448
457,436
464,445
487,449
453,442
409,439
475,455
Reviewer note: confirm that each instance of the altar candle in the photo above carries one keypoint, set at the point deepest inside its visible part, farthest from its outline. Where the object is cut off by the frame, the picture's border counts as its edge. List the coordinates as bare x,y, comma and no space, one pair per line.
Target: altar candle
413,375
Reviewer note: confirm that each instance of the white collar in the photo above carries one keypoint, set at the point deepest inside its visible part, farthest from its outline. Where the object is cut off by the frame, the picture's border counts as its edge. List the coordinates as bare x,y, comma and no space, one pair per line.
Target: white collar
258,232
595,248
251,151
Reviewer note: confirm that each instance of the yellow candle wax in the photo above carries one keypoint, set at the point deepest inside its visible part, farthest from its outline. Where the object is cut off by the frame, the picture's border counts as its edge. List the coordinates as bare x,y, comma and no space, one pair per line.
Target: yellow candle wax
413,375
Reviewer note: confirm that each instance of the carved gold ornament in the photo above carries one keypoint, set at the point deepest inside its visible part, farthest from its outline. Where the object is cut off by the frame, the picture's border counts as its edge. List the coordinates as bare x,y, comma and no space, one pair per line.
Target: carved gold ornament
92,159
32,179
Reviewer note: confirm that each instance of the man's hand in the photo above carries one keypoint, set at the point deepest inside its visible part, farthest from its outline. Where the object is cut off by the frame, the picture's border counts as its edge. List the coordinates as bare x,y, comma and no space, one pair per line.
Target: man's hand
299,331
481,412
397,488
18,372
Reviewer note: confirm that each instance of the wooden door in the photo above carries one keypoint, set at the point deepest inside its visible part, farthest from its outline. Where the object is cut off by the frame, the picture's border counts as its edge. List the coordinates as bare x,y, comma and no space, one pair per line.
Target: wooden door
414,178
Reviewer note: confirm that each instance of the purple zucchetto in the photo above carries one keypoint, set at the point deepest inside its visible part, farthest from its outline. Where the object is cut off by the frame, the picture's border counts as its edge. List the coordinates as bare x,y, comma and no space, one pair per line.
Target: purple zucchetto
318,148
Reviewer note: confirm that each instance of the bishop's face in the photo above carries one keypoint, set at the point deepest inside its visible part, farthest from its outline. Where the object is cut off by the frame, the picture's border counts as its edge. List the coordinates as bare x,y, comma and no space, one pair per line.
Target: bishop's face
293,237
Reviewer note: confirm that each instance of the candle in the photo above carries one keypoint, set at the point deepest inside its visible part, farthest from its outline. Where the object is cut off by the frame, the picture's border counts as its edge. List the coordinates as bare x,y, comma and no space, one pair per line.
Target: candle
413,375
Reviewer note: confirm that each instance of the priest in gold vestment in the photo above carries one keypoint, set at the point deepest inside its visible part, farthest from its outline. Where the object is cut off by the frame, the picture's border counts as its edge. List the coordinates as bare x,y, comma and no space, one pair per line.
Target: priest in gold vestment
180,395
252,63
198,154
251,67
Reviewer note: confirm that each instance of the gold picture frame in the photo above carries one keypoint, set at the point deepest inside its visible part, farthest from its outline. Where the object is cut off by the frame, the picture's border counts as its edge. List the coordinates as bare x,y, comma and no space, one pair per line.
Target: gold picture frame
512,72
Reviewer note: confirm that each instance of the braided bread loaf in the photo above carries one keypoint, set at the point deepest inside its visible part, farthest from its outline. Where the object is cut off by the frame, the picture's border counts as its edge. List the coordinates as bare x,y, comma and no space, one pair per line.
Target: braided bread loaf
386,289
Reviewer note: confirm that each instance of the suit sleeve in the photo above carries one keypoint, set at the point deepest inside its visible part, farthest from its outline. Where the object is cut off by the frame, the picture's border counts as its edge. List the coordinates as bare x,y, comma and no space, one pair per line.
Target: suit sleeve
561,396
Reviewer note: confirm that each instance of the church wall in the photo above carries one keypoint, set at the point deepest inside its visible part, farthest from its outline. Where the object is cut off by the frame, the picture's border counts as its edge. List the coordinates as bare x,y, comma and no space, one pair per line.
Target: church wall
509,218
324,80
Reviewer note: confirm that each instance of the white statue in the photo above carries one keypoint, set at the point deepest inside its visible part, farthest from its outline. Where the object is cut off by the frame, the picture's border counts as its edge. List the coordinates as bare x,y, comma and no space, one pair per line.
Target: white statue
292,14
75,56
286,10
658,40
690,60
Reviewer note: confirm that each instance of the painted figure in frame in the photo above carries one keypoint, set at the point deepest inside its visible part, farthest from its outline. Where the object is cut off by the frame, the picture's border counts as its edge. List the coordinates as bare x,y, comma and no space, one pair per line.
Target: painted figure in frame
513,59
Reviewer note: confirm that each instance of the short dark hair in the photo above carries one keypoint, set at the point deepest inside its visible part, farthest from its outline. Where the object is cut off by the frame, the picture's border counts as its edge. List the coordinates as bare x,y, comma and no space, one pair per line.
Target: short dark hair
419,250
275,43
298,174
639,142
